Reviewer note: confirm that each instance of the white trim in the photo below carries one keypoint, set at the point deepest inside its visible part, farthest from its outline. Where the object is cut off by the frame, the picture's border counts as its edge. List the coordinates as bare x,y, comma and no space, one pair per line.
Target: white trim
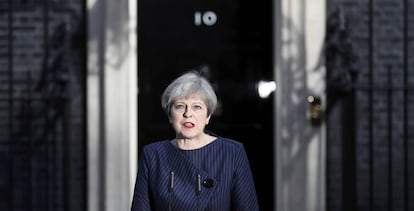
133,87
299,146
112,103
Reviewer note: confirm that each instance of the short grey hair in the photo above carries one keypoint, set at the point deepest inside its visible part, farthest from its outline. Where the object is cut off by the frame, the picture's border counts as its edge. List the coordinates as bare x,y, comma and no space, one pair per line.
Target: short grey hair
184,86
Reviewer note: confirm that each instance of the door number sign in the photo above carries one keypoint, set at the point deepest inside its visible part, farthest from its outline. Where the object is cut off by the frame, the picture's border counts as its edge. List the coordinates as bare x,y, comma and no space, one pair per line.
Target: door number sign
207,18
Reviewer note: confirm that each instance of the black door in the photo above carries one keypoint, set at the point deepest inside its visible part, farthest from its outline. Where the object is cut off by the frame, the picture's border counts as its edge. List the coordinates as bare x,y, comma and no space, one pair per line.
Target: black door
231,40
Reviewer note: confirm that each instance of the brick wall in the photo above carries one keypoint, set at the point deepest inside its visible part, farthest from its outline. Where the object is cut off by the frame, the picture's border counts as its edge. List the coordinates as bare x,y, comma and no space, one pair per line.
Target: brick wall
383,121
42,97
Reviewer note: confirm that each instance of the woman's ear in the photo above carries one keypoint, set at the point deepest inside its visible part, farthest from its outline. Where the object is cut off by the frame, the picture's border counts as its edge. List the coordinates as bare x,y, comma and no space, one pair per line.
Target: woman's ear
169,116
208,119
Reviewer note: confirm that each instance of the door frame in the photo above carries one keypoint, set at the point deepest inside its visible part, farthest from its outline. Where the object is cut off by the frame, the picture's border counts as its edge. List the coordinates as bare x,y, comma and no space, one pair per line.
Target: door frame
299,28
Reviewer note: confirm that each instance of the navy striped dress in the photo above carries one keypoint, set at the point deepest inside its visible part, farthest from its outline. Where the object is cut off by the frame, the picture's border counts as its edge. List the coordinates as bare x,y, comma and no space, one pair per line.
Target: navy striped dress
216,177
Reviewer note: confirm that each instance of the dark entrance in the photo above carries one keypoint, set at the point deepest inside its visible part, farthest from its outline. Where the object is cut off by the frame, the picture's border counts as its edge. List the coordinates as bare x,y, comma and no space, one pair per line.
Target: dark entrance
232,40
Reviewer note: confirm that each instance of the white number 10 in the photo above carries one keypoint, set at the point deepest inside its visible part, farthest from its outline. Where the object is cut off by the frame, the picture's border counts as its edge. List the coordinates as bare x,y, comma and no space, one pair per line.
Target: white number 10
207,18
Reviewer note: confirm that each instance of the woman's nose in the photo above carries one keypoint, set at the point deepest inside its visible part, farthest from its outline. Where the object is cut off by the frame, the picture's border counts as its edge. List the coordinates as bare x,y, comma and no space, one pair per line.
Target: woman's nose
187,112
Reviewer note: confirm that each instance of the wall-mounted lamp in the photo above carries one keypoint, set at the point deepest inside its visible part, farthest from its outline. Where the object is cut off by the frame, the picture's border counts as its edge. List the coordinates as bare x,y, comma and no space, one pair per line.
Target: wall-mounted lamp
265,88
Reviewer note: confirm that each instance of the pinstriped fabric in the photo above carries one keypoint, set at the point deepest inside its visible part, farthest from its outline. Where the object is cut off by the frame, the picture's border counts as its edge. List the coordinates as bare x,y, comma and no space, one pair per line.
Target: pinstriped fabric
223,162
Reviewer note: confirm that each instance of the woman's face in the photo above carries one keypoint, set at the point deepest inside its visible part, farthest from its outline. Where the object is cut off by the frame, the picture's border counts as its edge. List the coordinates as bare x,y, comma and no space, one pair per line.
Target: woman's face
188,117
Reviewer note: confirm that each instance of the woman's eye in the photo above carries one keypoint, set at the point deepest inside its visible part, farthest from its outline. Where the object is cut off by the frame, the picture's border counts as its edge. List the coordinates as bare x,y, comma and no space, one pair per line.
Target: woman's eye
198,107
179,106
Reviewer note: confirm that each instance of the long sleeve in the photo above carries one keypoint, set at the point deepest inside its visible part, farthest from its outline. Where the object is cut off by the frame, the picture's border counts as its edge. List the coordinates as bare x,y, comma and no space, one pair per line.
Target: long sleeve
141,198
244,196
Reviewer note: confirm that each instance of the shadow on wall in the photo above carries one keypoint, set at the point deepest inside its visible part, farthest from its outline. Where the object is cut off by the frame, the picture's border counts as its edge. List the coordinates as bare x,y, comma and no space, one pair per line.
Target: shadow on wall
300,142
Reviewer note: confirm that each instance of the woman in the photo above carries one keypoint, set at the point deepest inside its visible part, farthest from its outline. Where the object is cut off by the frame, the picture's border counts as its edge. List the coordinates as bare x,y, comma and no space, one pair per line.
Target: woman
195,170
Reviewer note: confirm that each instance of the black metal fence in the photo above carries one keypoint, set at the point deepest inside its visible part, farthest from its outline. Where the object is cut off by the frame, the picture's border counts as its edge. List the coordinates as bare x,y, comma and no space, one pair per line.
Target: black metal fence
370,127
42,105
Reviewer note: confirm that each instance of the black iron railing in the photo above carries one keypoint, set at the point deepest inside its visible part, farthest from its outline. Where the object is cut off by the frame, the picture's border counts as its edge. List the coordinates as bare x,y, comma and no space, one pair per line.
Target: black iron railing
375,142
42,100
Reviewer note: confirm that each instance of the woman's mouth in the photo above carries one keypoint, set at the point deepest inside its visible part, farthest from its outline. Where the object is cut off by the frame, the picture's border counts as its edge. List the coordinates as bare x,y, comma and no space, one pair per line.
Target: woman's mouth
188,124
